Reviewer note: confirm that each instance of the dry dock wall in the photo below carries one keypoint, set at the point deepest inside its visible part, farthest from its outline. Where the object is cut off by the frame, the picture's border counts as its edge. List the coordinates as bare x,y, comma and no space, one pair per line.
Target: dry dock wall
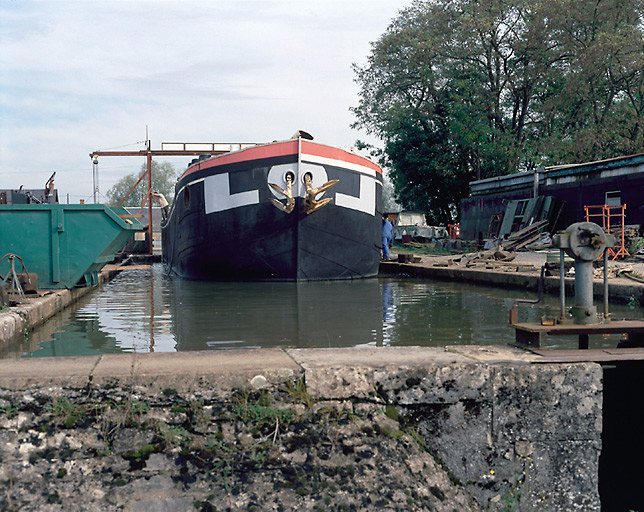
460,428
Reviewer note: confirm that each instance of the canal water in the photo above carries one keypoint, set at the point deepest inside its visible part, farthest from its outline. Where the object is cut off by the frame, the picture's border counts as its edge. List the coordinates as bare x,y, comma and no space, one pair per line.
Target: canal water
147,311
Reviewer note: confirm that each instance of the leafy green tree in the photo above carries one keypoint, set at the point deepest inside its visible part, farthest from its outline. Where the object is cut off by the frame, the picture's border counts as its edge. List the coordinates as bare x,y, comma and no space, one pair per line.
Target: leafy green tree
163,180
389,203
468,89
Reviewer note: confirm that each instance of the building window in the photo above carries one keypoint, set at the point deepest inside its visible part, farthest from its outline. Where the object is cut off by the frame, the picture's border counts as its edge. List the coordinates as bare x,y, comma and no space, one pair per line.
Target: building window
613,198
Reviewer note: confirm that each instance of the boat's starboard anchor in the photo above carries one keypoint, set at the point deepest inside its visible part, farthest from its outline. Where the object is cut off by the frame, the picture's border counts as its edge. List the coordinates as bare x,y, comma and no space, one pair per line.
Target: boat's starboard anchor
290,201
312,204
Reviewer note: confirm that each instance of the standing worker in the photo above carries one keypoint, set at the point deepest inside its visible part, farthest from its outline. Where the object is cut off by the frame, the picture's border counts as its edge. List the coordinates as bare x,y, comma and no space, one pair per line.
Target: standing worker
163,203
387,237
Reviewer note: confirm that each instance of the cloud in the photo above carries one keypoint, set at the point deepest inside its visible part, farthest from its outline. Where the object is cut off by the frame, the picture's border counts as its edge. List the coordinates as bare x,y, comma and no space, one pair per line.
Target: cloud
83,75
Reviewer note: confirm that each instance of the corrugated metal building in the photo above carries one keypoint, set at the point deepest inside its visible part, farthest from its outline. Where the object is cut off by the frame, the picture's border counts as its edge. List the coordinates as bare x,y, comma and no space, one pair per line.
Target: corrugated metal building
615,181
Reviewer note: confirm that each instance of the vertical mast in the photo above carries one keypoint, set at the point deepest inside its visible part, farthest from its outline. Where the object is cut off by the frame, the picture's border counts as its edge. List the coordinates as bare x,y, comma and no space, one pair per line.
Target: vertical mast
299,159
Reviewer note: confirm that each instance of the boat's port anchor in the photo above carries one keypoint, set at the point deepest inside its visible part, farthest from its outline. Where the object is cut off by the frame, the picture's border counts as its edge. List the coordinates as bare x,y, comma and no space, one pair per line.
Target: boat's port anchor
290,201
584,242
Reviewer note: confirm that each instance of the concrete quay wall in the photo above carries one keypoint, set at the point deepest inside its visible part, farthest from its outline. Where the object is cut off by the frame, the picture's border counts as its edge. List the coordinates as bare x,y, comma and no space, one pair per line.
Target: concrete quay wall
620,291
454,428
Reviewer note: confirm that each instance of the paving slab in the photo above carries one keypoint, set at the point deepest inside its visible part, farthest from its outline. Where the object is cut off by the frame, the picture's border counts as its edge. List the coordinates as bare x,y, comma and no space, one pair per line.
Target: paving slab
492,354
194,362
374,357
180,370
21,373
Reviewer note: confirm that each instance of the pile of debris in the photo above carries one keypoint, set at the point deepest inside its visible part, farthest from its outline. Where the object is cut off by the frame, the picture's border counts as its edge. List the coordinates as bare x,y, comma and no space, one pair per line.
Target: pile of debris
531,236
526,236
497,254
631,232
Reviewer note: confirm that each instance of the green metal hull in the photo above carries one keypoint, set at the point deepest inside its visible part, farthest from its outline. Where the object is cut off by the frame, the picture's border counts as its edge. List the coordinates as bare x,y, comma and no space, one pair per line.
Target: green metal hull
66,245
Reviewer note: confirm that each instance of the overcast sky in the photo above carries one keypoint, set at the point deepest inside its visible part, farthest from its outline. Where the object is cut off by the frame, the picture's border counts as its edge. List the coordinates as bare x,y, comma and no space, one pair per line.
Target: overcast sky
78,76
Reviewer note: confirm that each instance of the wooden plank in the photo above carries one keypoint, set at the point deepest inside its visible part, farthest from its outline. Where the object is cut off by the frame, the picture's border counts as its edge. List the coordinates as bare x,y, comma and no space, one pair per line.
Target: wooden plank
617,327
590,355
523,243
517,235
600,358
550,352
508,218
629,350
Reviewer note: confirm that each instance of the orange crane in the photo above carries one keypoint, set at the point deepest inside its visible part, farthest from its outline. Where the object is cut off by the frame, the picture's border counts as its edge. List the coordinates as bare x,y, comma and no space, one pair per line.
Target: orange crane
167,149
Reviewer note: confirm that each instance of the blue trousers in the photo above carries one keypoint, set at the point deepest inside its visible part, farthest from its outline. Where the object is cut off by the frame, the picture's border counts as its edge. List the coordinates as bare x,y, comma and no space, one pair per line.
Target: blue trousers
385,247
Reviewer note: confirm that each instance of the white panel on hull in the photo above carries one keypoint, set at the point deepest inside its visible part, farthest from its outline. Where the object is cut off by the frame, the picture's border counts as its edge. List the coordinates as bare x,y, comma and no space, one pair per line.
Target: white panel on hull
217,196
365,202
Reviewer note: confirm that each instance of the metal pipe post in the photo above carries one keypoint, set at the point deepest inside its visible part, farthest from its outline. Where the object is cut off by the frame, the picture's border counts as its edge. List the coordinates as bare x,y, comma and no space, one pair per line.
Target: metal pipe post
584,312
562,286
584,283
95,179
150,223
606,314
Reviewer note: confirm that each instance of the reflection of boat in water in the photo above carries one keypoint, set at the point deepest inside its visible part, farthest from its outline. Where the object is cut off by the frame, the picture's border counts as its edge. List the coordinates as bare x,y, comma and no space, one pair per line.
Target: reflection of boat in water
244,315
292,210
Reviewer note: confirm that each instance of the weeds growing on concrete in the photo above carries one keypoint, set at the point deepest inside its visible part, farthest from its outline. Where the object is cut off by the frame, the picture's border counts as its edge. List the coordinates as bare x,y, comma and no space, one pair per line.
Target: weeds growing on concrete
299,392
71,415
9,410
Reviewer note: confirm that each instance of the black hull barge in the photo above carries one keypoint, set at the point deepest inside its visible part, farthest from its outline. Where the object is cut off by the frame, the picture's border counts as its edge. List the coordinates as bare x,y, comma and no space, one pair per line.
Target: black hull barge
287,211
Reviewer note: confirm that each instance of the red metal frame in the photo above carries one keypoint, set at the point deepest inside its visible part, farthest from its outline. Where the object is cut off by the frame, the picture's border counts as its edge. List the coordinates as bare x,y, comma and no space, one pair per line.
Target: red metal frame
454,231
607,217
149,153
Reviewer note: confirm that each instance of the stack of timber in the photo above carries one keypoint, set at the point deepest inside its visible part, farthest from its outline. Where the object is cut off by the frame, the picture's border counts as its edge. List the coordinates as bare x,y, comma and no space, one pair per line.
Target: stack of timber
525,236
631,232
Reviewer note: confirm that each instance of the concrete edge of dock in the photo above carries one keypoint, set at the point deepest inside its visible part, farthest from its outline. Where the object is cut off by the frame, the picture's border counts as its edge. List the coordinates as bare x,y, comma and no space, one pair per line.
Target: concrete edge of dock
238,368
619,290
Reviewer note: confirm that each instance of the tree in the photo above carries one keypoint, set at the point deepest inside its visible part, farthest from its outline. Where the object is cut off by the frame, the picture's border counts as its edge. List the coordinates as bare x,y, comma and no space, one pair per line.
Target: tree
389,203
469,89
163,181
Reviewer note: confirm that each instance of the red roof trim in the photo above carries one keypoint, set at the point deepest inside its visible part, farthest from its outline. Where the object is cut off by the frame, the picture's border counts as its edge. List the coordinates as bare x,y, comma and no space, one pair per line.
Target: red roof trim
275,149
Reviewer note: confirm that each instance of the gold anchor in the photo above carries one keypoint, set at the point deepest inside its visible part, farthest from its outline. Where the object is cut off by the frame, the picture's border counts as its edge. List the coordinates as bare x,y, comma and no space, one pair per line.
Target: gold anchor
310,203
290,202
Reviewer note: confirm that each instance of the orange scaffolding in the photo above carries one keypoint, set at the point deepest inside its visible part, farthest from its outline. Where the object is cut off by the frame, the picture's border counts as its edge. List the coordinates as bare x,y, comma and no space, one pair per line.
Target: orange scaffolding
612,217
454,231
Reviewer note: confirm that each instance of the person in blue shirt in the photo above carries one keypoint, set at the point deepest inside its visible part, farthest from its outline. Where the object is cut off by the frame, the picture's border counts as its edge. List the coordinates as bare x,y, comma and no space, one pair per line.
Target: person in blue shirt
387,237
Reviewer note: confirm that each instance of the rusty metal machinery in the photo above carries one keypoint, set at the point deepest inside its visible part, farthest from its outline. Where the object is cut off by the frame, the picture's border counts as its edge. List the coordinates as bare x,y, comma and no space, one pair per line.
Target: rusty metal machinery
17,283
585,242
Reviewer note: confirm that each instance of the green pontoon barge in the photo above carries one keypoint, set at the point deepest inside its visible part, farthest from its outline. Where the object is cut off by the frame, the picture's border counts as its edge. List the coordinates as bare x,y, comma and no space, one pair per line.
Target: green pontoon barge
66,245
